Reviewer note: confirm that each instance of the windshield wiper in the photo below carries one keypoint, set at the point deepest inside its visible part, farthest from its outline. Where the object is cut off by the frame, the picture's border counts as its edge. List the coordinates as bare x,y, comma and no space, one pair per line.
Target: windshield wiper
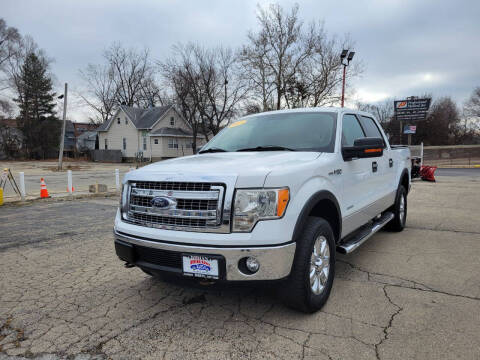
212,150
267,148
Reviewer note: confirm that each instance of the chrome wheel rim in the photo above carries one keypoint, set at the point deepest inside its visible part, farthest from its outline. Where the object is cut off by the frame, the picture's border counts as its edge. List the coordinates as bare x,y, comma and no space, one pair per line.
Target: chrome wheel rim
402,209
319,265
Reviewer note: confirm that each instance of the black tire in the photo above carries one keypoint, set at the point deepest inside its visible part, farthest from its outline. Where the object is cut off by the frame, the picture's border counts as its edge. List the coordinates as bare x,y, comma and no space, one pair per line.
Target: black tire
397,224
147,271
297,292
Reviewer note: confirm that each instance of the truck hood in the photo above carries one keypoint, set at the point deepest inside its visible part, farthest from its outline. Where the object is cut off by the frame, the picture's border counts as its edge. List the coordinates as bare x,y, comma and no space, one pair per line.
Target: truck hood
249,168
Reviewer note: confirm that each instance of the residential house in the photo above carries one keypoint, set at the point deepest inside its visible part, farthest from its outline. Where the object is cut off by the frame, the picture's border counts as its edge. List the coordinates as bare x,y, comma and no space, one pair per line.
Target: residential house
86,141
157,133
80,128
69,139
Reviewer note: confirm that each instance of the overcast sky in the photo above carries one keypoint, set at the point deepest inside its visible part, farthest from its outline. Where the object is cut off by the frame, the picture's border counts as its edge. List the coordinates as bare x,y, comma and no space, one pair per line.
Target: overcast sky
408,47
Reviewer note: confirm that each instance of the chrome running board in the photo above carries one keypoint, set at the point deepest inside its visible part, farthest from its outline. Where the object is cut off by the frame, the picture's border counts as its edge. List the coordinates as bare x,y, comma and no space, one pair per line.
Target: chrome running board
352,242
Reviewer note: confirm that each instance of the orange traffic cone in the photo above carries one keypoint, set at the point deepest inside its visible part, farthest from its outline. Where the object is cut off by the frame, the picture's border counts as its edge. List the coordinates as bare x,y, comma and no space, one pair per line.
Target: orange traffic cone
43,189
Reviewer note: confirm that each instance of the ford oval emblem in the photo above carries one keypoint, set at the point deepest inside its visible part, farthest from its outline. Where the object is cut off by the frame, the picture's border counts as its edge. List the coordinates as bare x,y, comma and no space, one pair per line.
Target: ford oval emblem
163,202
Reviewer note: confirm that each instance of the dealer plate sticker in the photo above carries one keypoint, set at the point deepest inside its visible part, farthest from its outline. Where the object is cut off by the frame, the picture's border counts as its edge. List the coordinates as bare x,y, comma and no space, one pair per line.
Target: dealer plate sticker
200,266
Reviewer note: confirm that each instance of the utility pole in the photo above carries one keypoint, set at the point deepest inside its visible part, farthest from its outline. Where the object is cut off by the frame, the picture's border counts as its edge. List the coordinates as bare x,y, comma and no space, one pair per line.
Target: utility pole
62,139
349,58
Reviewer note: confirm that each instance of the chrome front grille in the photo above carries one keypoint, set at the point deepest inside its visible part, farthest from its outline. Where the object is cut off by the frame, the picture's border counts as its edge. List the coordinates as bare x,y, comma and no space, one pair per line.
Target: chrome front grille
191,206
174,185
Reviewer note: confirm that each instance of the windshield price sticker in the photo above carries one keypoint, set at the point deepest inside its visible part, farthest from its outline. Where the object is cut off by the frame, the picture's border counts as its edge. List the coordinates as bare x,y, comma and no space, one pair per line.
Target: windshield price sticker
238,123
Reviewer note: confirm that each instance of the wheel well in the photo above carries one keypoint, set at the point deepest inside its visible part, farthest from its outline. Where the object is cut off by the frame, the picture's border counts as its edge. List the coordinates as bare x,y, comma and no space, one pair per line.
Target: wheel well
327,210
405,180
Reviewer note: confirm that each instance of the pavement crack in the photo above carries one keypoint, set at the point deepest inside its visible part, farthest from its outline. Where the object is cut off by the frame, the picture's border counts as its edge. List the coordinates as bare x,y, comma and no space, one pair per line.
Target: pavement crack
390,322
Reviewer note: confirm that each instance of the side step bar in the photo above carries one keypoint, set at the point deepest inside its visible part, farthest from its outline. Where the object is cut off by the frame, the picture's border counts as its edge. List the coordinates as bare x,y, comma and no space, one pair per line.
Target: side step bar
358,238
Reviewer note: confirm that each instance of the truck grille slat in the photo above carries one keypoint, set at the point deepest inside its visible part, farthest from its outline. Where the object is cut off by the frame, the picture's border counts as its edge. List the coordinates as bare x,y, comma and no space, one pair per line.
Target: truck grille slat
196,207
173,185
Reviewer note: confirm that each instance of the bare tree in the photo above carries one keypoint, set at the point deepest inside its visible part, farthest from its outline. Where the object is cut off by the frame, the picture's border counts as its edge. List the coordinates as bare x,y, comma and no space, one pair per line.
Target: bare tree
472,106
127,77
221,87
10,47
181,78
290,65
383,110
206,84
101,90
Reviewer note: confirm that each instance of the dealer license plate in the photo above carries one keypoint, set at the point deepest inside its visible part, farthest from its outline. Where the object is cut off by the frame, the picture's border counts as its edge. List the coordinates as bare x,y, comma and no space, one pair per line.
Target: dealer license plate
200,266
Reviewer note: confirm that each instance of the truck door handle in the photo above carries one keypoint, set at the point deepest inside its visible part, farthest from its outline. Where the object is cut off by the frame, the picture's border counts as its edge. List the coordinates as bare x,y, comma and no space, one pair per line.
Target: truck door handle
390,163
374,166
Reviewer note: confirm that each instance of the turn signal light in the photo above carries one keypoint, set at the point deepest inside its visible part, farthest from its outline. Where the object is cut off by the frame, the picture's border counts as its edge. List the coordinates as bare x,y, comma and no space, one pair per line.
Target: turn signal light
283,197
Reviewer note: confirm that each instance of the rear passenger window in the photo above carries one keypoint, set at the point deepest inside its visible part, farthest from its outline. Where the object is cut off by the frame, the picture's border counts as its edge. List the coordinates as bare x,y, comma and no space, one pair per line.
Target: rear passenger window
371,129
351,130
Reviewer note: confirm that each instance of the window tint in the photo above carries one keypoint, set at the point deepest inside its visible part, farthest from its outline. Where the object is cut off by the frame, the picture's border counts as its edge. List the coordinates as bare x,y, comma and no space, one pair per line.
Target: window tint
156,141
300,131
371,128
351,130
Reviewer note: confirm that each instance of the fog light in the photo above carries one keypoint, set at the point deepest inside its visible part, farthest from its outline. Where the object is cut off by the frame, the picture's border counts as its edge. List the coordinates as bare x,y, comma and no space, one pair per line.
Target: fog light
252,264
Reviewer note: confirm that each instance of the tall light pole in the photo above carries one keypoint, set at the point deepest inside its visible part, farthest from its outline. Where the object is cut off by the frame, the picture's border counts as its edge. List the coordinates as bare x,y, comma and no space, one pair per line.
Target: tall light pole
349,56
62,139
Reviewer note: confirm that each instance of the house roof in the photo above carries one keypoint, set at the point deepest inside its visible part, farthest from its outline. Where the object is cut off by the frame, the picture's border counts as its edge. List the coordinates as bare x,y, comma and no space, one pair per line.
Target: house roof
165,131
9,123
141,118
87,135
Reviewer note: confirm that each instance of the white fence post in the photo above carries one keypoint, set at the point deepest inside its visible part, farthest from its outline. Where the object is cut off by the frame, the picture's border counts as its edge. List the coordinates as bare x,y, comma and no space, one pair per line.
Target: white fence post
117,179
421,153
69,181
22,185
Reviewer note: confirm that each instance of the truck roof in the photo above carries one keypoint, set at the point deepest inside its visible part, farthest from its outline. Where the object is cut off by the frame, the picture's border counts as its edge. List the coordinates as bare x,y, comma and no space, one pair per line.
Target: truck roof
313,109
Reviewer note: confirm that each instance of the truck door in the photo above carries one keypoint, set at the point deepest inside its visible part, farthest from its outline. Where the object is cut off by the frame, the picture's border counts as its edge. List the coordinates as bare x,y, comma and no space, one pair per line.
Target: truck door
358,182
385,175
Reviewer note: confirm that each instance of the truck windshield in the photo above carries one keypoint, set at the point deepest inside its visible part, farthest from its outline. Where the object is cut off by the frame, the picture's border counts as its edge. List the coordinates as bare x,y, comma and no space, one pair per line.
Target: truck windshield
309,131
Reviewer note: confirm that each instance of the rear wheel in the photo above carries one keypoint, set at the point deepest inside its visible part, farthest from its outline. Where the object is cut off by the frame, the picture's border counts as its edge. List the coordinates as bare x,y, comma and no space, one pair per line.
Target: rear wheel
146,271
310,282
399,210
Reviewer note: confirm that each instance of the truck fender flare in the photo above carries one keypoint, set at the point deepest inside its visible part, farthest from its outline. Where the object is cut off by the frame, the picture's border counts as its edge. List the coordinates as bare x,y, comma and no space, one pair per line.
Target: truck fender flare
307,208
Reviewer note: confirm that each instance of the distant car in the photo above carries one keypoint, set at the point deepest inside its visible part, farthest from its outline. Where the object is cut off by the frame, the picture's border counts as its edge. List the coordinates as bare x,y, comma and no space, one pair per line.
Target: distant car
272,197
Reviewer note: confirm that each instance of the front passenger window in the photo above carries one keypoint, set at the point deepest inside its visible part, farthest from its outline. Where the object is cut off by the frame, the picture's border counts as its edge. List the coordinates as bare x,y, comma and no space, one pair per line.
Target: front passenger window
351,130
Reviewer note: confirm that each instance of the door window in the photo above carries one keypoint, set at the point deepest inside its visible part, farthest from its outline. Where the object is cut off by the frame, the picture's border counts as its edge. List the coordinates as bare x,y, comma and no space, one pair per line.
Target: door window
351,130
371,129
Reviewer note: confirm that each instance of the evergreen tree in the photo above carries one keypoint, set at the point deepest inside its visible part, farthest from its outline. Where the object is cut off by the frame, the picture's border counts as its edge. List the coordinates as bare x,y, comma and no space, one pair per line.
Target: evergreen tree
41,130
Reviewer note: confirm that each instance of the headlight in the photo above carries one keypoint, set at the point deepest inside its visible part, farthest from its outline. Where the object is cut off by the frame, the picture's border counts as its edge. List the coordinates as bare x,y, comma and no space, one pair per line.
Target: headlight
252,205
124,201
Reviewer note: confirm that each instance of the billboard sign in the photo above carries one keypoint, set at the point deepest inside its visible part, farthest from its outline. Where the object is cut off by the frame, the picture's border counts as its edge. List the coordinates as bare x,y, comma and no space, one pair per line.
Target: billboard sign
411,109
409,129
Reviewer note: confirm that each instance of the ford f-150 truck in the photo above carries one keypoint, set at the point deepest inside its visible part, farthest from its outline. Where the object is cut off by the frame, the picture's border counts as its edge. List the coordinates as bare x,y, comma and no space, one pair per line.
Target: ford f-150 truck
273,196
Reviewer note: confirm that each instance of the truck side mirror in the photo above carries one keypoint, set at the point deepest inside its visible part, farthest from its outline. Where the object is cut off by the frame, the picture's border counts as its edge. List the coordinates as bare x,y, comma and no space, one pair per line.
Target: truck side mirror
363,148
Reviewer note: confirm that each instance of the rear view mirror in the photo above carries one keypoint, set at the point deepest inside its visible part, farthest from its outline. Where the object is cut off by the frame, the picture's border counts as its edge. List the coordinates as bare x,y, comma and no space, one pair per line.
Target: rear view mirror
363,148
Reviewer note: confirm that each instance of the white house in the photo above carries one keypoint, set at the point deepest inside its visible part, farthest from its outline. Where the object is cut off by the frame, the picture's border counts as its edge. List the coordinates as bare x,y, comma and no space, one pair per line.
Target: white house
158,132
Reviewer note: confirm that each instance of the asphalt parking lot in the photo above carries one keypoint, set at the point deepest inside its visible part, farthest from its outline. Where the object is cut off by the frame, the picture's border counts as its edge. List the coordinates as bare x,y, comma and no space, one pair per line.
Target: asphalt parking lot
409,295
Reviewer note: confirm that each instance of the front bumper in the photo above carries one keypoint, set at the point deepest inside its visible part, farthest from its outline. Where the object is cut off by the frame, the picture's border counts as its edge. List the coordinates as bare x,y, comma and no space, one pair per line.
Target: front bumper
275,261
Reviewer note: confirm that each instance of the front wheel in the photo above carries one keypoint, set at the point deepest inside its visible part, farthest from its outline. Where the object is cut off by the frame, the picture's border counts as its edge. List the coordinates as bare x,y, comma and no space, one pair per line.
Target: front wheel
310,282
399,210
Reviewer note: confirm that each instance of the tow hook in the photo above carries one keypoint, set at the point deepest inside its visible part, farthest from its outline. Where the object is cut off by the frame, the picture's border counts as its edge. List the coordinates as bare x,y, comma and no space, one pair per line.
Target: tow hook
129,265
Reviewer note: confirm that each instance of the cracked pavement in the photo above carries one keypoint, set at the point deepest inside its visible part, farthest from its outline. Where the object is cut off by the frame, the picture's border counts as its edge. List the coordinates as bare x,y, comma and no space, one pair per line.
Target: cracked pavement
410,295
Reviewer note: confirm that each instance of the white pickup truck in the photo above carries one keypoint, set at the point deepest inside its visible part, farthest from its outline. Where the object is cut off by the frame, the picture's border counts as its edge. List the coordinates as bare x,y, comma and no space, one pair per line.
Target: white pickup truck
272,197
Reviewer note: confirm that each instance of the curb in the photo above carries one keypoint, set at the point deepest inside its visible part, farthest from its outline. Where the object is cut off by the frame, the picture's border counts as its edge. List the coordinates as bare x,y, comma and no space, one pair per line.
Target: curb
59,199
